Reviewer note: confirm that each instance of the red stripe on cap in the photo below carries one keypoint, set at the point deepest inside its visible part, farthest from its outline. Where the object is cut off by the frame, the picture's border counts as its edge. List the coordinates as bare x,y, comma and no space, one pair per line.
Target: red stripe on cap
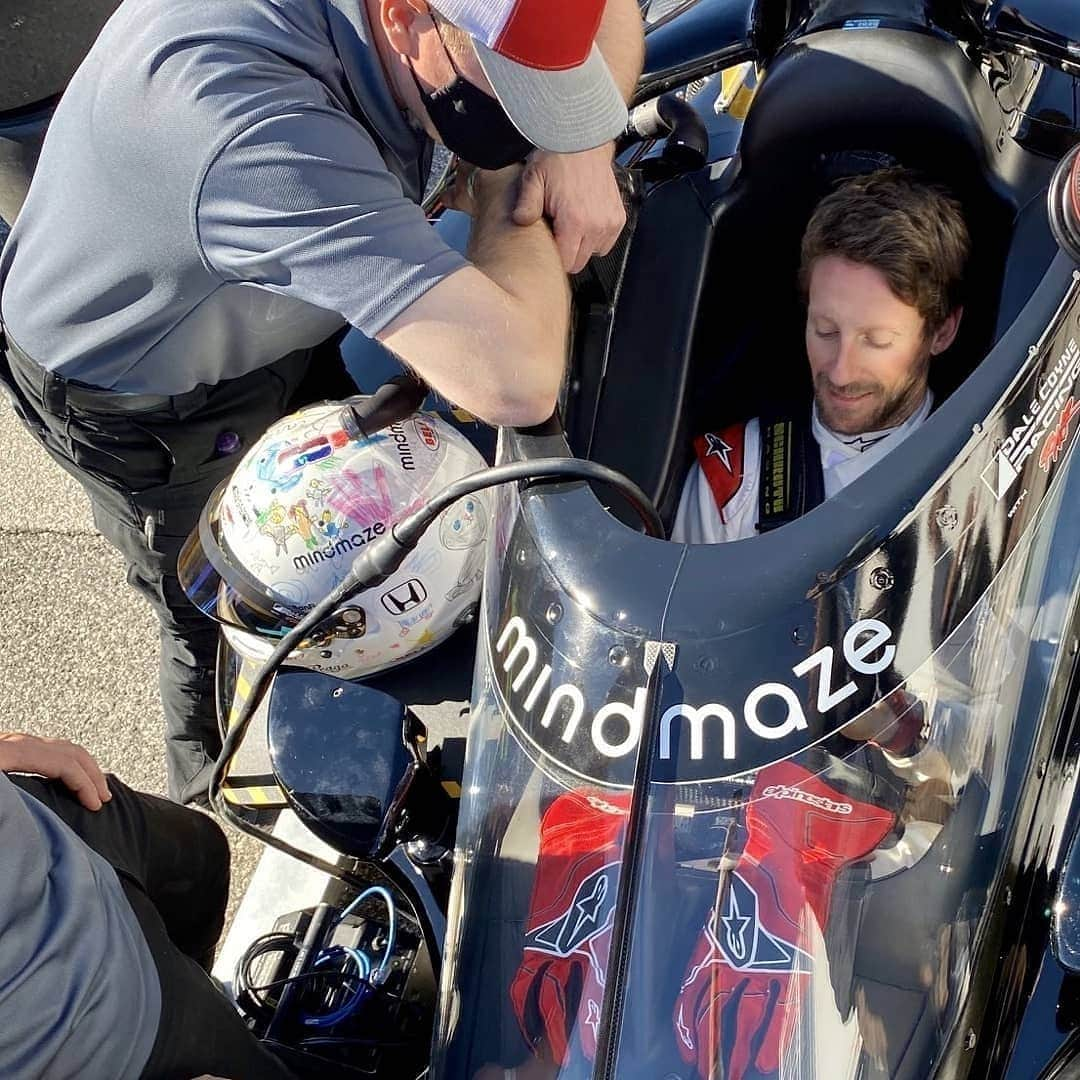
550,35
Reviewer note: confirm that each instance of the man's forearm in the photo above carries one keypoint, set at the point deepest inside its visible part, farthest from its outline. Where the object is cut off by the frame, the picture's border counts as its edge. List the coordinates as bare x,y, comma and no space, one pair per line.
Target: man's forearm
524,262
492,336
621,39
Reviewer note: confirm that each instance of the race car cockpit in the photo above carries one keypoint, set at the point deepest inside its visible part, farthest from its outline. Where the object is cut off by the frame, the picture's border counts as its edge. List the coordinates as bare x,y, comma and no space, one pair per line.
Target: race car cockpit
793,809
710,330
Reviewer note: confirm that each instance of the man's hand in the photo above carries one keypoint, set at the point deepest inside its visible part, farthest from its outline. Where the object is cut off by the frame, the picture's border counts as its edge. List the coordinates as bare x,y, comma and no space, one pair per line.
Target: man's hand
56,759
492,336
580,196
476,191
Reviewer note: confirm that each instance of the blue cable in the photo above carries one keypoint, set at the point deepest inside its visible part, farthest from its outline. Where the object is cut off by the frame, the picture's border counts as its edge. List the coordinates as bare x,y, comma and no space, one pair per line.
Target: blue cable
377,890
363,966
359,958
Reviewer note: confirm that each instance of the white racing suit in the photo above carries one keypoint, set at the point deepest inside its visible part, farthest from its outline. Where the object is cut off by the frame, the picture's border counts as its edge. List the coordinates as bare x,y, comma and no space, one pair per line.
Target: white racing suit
720,498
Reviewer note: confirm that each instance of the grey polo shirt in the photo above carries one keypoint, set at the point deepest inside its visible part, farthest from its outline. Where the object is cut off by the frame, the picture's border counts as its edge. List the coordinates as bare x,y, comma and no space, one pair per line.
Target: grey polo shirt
79,991
224,181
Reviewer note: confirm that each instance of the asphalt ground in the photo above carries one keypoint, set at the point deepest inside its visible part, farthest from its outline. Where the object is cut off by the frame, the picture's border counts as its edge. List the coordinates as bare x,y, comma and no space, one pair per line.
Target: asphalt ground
79,648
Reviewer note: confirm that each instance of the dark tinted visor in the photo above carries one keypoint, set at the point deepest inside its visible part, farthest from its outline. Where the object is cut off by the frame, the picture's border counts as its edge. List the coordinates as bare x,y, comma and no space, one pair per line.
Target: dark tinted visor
221,587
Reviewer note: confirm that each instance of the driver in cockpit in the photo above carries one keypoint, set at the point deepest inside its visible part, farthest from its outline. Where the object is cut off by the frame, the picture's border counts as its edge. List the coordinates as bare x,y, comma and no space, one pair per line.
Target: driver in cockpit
883,262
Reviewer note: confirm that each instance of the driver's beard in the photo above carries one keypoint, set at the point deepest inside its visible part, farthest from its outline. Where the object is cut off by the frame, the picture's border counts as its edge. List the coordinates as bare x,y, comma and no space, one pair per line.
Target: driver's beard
889,410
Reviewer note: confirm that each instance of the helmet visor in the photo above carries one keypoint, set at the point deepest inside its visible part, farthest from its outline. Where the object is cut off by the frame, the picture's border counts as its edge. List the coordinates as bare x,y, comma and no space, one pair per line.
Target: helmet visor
222,588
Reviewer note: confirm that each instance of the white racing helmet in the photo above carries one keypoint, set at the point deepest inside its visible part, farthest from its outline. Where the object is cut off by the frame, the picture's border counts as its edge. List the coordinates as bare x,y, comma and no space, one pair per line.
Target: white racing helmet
284,529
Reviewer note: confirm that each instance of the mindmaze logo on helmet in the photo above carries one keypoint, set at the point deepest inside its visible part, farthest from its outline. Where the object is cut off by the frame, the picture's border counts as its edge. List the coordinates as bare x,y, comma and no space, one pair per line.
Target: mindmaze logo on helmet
336,550
397,433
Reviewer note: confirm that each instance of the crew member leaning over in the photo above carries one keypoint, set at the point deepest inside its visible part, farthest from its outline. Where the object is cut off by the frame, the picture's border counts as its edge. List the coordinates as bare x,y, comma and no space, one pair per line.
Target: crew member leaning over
225,186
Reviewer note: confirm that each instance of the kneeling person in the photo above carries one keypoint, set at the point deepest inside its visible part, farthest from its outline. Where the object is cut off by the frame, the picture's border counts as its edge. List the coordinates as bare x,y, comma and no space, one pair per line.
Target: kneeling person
111,905
883,260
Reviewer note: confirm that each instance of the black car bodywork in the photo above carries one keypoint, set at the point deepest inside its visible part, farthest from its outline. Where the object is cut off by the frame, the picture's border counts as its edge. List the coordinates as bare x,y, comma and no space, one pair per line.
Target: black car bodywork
959,551
42,42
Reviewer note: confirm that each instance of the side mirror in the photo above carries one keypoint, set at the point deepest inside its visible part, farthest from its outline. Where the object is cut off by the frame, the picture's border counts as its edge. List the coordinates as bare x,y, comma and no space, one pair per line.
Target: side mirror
352,765
1063,200
1065,923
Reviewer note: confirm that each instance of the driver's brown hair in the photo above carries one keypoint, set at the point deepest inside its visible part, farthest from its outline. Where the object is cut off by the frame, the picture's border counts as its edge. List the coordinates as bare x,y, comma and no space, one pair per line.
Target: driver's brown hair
911,231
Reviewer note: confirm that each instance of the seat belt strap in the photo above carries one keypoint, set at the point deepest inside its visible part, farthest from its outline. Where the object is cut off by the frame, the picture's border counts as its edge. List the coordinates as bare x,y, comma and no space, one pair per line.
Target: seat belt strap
792,479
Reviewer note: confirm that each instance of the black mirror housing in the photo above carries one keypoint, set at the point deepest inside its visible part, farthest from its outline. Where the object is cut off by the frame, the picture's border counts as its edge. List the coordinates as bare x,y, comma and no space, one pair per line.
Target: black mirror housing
351,762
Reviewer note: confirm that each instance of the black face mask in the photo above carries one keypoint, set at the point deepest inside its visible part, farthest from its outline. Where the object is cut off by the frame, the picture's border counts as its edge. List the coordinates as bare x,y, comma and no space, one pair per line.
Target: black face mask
473,124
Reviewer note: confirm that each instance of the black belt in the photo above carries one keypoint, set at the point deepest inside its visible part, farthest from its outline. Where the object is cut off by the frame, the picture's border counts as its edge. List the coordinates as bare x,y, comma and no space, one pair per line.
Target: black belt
60,395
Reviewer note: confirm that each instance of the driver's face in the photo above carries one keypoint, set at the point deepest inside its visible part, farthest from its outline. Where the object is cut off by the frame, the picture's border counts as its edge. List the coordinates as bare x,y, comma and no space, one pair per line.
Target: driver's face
868,349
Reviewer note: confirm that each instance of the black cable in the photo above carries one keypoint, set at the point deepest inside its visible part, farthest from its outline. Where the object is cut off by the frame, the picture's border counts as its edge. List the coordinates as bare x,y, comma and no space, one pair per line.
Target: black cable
378,561
248,996
547,469
306,976
344,1040
251,996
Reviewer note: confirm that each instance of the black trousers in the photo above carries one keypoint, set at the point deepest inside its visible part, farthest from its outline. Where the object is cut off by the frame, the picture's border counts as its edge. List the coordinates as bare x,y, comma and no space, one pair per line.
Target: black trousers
173,864
148,473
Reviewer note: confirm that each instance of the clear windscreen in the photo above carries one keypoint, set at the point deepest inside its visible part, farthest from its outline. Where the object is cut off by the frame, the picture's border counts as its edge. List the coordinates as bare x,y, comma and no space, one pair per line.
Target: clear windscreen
810,876
816,918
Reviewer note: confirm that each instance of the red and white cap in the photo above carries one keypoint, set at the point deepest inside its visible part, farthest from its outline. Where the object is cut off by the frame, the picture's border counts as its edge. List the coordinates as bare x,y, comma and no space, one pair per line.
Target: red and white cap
541,59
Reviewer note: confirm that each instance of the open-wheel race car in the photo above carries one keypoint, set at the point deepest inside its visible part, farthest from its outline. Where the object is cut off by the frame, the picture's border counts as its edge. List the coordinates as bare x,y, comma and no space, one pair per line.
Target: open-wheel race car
798,806
691,843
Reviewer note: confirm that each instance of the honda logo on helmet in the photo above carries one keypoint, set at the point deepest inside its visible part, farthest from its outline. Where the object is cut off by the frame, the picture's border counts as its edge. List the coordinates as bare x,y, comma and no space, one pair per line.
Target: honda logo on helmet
405,597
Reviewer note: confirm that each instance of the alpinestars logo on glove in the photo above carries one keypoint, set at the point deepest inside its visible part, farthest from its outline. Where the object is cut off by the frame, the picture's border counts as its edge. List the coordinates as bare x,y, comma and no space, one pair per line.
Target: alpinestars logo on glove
587,916
740,939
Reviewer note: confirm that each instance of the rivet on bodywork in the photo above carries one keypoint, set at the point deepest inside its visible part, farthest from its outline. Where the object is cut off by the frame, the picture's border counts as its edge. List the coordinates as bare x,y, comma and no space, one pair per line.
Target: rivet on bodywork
948,517
881,578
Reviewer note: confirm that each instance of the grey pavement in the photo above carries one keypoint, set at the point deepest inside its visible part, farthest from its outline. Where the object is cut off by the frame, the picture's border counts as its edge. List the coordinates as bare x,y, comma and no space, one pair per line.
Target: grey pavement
78,648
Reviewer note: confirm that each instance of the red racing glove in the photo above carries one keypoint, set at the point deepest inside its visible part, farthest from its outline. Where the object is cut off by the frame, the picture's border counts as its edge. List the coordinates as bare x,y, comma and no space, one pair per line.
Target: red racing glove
559,988
737,1003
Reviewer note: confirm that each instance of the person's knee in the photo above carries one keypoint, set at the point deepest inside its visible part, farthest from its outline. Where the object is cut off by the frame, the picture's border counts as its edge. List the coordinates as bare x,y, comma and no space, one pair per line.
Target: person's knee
214,846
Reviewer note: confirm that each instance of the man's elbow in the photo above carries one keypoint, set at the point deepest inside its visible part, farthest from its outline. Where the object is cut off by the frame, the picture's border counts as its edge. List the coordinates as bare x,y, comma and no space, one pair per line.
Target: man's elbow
525,394
521,407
